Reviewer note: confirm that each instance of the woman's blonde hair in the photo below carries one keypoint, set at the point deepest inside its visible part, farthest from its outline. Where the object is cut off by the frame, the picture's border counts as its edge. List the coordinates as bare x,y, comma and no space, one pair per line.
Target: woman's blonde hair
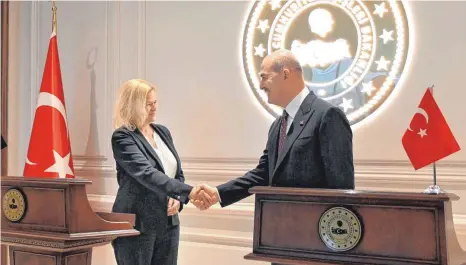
130,109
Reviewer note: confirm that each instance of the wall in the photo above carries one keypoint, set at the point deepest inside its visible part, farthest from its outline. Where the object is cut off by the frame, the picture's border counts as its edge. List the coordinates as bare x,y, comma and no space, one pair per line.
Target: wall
191,51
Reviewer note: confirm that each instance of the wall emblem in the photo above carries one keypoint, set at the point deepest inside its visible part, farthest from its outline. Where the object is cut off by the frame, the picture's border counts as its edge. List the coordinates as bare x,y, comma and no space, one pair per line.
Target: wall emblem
353,52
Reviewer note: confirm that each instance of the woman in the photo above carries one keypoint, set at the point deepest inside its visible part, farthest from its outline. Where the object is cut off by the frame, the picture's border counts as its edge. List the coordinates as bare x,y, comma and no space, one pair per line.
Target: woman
150,179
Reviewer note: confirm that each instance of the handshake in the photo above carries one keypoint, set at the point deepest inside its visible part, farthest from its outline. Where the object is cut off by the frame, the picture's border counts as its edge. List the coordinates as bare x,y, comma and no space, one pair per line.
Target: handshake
204,196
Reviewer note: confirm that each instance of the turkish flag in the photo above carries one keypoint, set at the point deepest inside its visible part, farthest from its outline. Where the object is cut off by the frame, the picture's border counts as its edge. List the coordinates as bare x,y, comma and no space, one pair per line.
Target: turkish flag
428,137
49,153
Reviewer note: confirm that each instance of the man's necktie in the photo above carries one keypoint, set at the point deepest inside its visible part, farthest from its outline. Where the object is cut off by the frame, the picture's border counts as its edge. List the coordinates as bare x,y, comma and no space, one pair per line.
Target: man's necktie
282,137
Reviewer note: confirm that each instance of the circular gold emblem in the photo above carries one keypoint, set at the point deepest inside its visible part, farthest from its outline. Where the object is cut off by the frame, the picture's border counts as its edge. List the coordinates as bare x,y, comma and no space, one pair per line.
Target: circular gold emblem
14,205
353,53
340,229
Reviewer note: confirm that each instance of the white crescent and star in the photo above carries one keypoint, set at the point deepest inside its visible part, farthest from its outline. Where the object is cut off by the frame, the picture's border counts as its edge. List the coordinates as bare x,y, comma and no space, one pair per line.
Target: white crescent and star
50,100
422,132
61,165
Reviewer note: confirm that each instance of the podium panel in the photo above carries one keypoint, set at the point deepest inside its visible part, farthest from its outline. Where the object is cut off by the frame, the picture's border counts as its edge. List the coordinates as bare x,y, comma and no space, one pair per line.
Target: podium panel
50,221
316,226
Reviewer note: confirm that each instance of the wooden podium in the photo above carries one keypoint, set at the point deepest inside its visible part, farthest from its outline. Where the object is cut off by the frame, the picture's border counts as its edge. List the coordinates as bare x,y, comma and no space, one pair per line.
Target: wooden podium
316,226
50,221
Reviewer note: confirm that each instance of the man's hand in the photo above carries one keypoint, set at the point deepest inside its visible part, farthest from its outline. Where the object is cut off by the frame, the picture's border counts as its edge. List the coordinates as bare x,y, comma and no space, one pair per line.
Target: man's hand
205,196
173,206
195,198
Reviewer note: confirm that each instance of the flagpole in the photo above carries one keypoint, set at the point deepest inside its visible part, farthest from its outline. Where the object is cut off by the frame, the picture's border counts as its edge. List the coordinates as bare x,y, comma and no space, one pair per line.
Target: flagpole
434,168
435,174
54,17
433,189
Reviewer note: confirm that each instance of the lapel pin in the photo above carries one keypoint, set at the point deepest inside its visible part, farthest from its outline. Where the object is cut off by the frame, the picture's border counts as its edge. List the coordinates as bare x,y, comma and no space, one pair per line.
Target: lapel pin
301,123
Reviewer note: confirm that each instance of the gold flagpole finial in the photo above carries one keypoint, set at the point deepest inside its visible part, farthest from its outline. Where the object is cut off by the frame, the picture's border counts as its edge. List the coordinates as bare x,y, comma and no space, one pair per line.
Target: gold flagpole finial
54,18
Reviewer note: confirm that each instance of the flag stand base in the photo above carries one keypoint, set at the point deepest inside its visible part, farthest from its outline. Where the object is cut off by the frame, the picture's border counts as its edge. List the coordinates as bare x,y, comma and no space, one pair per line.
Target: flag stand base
433,189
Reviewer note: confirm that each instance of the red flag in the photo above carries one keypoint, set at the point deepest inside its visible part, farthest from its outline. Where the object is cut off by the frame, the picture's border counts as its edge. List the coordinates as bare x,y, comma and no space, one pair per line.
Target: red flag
49,153
428,137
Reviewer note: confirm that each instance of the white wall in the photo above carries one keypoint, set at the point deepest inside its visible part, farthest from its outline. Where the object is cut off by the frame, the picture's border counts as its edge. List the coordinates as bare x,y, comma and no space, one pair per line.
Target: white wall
191,51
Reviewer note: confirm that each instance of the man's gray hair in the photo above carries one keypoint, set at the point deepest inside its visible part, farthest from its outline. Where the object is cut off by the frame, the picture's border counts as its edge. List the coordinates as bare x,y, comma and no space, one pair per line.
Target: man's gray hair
285,59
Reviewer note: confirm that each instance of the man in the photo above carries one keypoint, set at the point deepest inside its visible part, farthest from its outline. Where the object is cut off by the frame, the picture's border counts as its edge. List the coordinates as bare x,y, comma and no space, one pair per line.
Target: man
310,145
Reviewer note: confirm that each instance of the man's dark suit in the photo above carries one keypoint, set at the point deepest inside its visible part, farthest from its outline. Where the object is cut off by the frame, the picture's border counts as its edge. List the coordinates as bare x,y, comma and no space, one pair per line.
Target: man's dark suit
144,190
318,153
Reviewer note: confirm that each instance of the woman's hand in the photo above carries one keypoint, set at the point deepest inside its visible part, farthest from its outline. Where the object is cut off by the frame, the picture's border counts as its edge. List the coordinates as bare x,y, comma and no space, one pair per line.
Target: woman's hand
173,206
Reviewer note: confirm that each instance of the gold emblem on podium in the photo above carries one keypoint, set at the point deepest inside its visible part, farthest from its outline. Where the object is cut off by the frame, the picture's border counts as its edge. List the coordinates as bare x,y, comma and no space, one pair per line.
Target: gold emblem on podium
14,205
340,229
